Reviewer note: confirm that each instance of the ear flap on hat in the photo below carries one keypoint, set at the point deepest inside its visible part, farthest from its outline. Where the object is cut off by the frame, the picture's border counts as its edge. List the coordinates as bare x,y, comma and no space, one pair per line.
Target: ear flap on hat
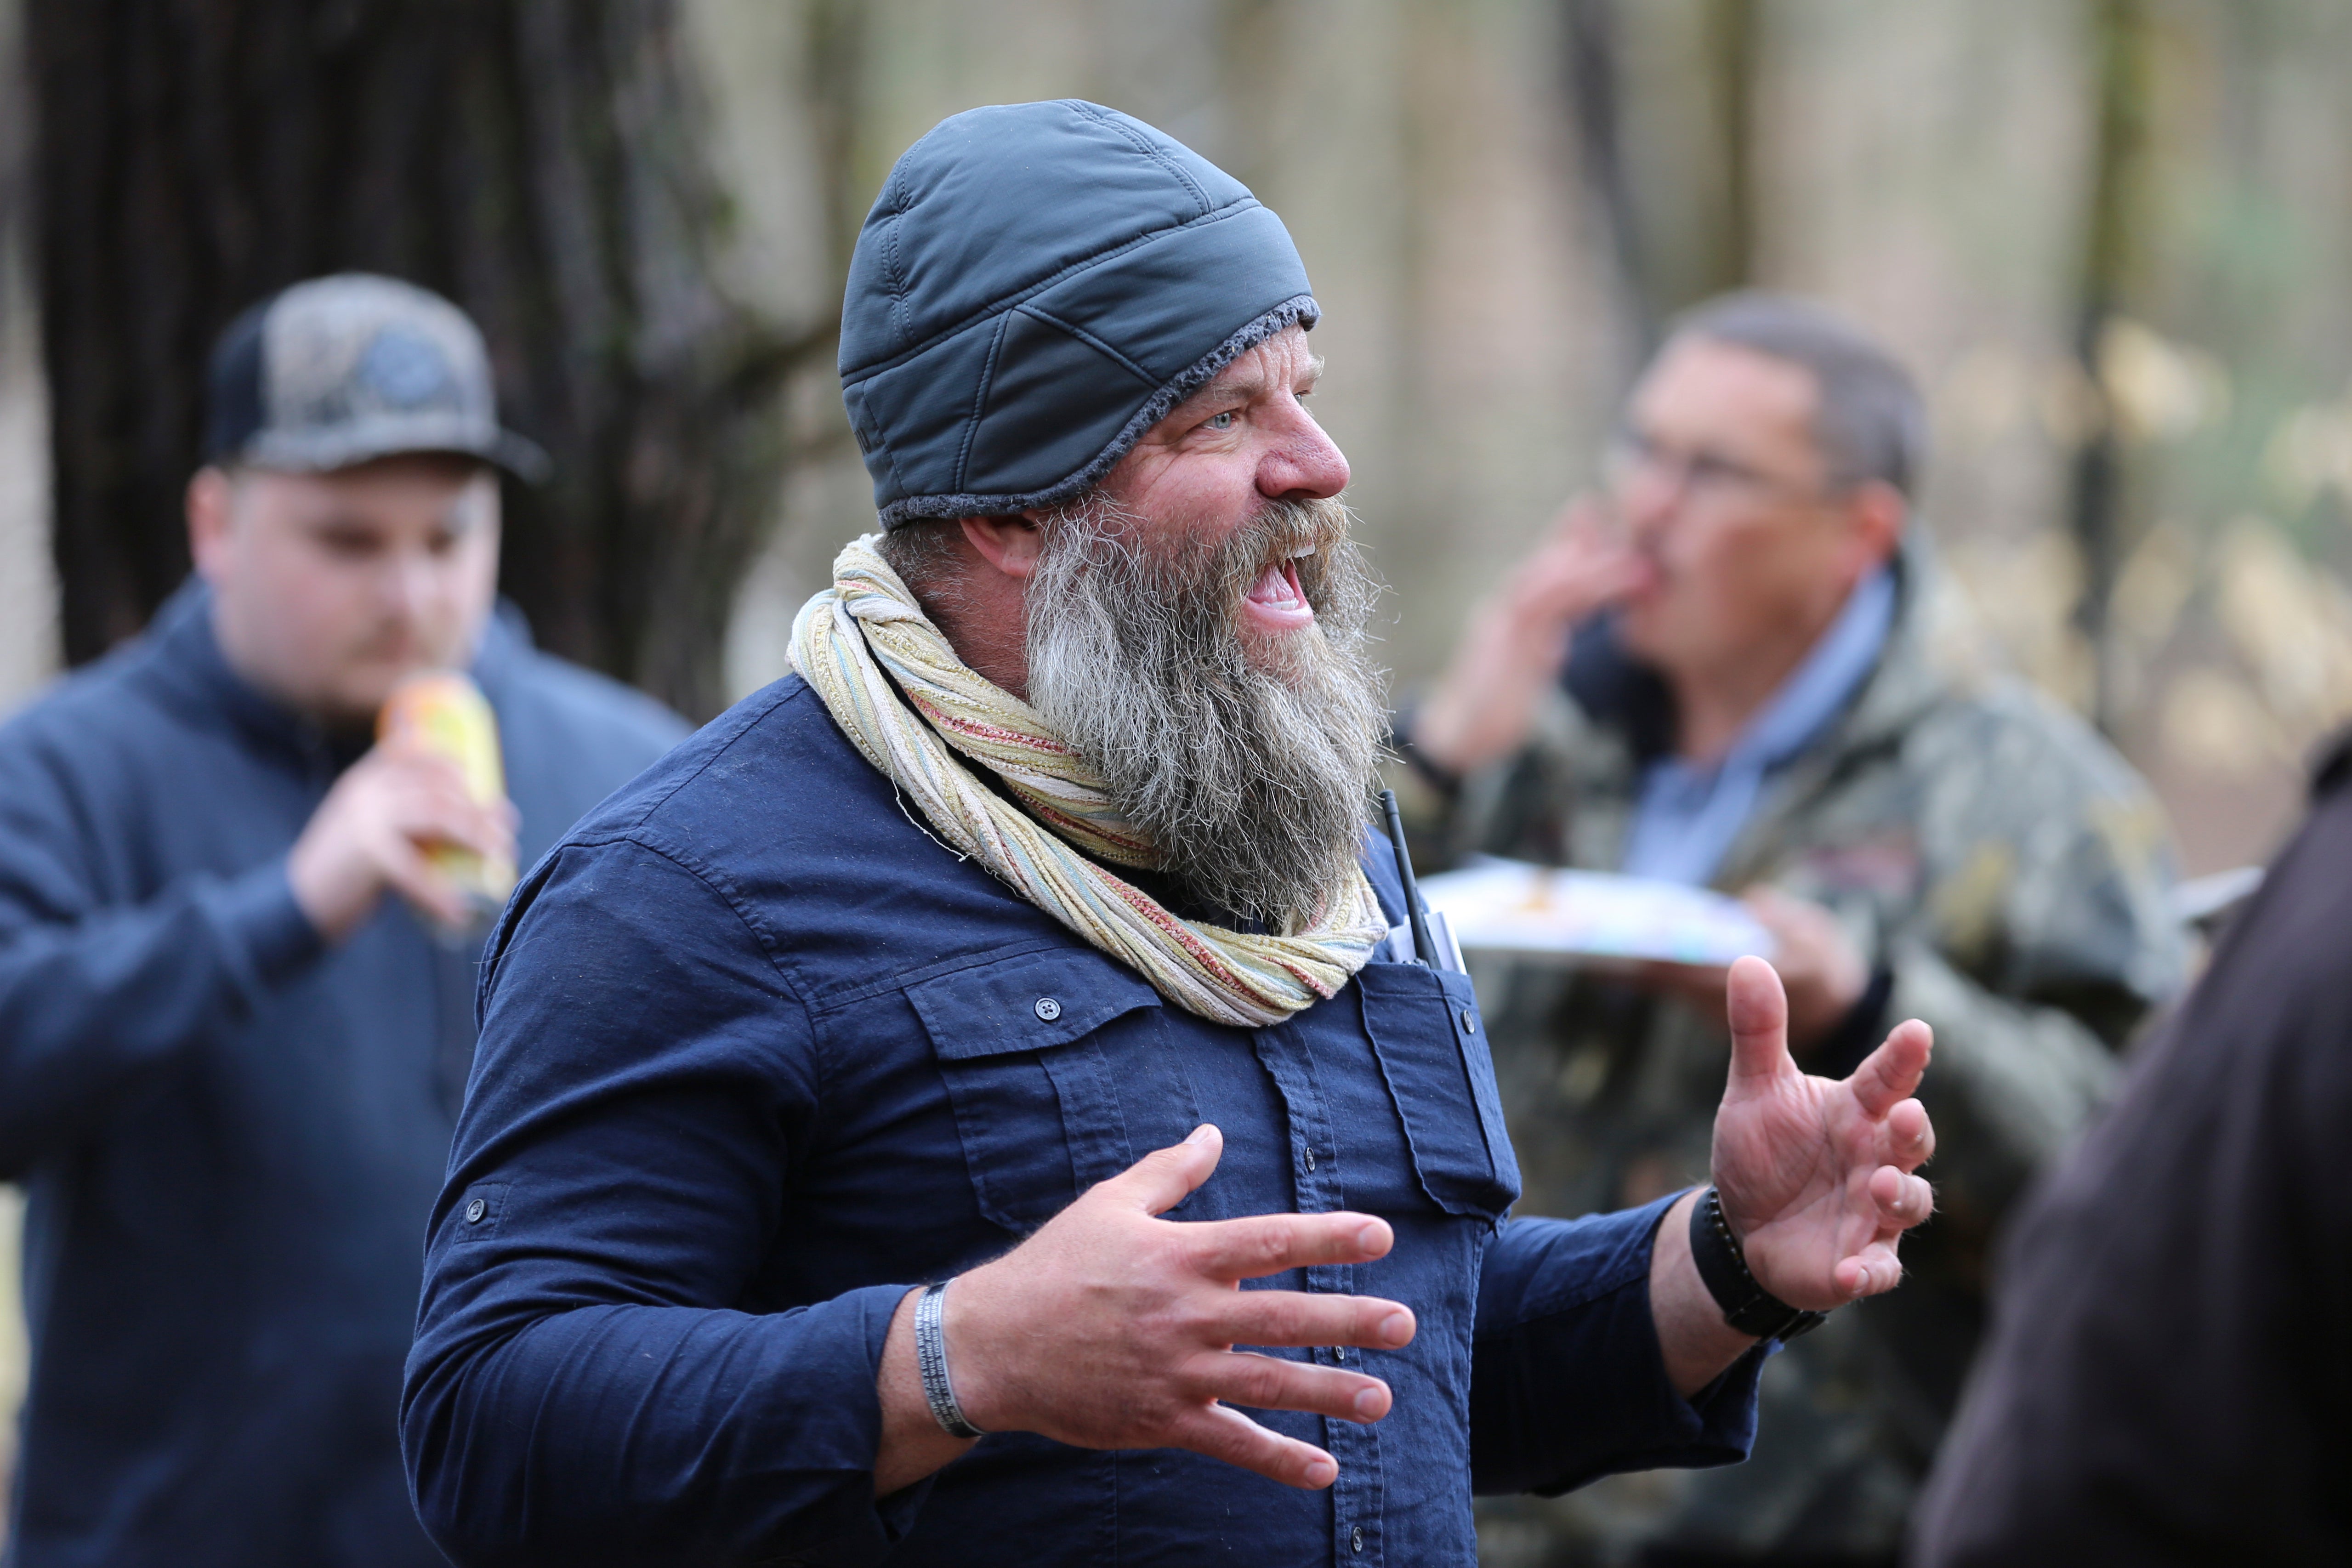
1028,433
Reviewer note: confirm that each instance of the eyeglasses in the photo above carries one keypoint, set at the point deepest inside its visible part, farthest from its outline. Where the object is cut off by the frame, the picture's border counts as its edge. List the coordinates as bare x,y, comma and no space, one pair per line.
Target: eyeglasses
1699,473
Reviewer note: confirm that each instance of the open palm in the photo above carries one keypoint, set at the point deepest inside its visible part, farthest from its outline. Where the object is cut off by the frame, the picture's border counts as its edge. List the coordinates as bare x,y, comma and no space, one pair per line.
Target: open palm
1815,1173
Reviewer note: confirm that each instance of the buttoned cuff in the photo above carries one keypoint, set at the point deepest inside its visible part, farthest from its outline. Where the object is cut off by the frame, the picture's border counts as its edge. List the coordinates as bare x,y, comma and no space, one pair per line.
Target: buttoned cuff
1568,1382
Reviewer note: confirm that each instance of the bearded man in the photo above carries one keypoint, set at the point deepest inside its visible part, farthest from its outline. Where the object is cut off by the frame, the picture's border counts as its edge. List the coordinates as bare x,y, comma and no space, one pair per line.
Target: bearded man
1052,855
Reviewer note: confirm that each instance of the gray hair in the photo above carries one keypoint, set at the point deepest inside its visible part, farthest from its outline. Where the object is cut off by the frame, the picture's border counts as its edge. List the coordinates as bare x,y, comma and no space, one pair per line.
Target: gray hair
1871,422
1250,766
922,552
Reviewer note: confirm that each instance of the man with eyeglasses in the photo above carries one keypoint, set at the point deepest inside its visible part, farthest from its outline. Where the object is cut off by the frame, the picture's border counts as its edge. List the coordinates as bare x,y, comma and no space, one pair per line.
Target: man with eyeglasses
1734,669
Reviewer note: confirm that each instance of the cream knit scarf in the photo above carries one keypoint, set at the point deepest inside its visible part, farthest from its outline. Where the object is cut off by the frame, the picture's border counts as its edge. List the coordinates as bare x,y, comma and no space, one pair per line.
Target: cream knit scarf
858,638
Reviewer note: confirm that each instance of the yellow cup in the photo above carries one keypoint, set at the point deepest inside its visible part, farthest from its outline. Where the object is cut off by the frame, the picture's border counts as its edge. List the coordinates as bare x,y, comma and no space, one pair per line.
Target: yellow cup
446,714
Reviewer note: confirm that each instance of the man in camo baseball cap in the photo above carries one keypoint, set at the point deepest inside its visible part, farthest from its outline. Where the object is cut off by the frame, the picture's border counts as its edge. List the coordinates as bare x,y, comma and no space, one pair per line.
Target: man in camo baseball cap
343,370
236,980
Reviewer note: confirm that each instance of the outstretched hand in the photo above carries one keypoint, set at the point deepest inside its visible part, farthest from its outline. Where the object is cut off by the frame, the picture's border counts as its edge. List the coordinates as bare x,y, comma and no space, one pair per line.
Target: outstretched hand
1113,1328
1816,1174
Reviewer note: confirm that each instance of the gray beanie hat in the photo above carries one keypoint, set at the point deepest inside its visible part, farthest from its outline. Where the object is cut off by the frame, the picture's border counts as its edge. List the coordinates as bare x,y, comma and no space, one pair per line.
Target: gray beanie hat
1036,285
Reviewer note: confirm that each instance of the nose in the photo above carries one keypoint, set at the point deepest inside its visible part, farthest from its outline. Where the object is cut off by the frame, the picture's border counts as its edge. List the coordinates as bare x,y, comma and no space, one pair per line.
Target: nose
1648,498
408,585
1303,463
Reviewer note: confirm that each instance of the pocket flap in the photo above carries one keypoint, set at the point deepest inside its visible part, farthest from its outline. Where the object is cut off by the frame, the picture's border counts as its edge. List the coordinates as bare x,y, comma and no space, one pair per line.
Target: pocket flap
1424,1029
1032,1003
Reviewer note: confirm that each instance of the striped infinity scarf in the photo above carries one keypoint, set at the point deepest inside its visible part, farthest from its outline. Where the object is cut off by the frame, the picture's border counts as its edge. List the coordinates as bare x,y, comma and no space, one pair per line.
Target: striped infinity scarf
858,638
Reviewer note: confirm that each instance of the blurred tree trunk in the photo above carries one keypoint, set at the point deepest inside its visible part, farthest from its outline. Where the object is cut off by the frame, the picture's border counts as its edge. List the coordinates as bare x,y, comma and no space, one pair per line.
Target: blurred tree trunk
1729,39
2124,53
1672,170
1596,88
538,161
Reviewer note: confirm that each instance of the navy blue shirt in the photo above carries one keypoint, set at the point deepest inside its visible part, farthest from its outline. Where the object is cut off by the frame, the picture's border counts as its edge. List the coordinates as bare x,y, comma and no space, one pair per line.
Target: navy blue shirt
759,1054
231,1138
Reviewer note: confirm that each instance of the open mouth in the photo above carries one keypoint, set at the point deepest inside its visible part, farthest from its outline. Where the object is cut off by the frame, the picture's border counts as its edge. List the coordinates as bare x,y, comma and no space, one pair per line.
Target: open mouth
1276,595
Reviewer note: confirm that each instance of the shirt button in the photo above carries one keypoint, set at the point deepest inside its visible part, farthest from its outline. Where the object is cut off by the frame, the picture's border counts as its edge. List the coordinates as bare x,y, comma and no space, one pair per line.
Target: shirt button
476,1210
1356,1538
1469,1022
1338,1352
1048,1009
1310,1161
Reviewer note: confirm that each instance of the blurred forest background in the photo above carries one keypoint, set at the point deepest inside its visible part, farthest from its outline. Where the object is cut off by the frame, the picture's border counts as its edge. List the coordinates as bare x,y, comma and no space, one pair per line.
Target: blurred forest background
2111,237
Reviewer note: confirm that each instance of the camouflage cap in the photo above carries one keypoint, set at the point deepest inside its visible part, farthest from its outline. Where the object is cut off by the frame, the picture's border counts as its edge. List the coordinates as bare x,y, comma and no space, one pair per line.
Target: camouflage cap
341,371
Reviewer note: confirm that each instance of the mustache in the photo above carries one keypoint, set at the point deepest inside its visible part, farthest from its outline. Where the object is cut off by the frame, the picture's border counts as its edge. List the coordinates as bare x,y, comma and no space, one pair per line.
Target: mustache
1315,534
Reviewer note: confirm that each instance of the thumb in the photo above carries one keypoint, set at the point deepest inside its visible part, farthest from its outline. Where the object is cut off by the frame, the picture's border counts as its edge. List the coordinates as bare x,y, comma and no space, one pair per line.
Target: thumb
1758,1012
1166,1177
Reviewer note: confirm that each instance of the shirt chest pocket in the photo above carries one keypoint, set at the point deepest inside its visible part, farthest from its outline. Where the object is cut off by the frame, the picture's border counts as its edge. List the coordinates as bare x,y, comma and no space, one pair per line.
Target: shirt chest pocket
1056,1069
1431,1047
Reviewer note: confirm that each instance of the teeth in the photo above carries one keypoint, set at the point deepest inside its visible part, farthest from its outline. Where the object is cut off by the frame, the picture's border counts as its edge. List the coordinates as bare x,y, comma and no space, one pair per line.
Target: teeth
1301,553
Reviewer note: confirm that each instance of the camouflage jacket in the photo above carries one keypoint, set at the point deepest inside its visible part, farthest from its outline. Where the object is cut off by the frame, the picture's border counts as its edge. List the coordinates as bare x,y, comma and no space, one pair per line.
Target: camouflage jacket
2005,873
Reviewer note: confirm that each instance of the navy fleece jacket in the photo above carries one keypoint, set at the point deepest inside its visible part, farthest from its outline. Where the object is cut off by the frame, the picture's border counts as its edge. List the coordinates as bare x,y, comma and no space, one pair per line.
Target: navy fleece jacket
230,1136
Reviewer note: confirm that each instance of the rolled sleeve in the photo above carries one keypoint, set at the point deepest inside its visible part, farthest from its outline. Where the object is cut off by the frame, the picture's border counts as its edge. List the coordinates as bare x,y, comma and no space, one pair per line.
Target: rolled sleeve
1567,1382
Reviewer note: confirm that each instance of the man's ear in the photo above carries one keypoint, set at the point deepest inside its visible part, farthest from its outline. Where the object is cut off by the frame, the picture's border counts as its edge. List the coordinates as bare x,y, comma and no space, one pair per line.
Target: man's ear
211,507
1878,511
1010,544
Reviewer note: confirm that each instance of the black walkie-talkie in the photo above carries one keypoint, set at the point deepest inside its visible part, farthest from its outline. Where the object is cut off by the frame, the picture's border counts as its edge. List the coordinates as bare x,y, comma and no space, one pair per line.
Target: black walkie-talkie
1422,942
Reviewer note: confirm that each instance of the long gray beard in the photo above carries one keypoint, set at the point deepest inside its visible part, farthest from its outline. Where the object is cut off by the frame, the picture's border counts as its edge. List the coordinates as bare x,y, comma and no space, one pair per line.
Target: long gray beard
1249,762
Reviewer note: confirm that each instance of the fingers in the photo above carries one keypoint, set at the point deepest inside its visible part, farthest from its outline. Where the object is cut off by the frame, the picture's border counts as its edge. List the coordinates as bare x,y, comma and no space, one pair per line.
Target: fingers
424,796
1759,1013
1870,1272
1269,1244
1226,1434
1269,1382
458,822
1166,1177
1903,1200
1795,927
1581,517
1911,1137
416,879
1300,1317
1582,564
1891,1073
1775,911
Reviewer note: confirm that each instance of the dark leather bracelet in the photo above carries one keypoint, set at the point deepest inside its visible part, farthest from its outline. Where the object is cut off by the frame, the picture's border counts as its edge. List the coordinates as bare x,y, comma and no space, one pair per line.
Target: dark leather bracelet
1747,1306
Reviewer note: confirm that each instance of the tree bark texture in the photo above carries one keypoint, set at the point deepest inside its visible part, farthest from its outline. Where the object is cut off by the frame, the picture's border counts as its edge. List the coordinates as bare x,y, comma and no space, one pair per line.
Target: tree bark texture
540,162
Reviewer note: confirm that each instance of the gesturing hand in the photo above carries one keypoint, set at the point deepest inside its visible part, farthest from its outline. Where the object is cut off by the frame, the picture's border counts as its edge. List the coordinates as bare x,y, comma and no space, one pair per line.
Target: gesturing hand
1815,1175
1111,1327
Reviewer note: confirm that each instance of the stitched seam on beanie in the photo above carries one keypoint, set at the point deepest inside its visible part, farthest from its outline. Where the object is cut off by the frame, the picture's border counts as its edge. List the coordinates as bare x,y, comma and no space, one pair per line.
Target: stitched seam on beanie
1155,408
898,278
894,194
891,458
1143,145
1014,300
881,445
1088,338
979,398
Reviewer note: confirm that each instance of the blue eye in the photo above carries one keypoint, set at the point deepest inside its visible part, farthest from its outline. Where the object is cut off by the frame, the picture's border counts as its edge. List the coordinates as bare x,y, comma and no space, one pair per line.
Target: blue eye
1220,421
